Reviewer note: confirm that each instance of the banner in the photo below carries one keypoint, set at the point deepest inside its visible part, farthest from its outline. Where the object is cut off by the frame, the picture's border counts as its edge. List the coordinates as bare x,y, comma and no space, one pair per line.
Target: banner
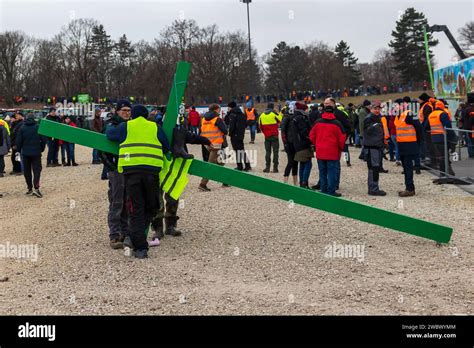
456,80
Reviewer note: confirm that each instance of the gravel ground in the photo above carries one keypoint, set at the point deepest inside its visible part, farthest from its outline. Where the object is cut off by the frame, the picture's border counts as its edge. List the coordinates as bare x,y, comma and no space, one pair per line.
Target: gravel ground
242,253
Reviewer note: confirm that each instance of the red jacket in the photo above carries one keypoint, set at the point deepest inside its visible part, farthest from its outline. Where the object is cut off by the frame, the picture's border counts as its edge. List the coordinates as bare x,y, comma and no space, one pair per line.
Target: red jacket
194,118
328,137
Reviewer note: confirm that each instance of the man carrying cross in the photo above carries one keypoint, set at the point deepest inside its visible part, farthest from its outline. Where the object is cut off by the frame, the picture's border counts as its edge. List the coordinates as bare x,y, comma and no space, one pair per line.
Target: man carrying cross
141,157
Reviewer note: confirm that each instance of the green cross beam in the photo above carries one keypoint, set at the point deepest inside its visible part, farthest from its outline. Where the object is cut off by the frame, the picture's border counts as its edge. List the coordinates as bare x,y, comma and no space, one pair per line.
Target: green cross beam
254,183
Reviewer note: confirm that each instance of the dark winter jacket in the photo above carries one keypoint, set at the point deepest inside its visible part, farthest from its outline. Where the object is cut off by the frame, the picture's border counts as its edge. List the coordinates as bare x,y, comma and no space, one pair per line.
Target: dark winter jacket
343,120
109,160
297,130
237,123
373,135
15,128
28,141
411,148
327,135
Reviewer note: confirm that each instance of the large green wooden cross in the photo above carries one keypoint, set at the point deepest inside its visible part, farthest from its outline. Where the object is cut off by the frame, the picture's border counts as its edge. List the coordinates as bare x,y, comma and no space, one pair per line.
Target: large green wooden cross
272,188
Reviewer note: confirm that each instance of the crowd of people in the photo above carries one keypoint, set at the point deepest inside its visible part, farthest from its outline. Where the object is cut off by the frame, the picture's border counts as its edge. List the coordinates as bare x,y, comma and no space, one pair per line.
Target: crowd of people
144,182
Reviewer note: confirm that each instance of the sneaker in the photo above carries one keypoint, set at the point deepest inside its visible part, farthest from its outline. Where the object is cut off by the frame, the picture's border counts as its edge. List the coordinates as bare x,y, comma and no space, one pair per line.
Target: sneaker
392,159
418,171
37,193
349,165
383,170
154,242
115,243
337,194
406,193
377,193
74,164
204,188
140,253
158,234
29,192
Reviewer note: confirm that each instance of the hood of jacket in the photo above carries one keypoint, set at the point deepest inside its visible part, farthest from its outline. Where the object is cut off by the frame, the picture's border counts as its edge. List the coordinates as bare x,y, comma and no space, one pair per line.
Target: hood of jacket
328,116
210,115
30,122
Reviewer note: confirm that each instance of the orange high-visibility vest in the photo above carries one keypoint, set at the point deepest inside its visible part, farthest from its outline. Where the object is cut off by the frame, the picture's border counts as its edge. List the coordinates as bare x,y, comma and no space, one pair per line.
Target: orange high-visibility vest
406,133
210,131
250,114
386,133
450,116
435,122
421,115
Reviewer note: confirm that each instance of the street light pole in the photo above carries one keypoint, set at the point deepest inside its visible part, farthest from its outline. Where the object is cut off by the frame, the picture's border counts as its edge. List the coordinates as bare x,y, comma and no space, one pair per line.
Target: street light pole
250,45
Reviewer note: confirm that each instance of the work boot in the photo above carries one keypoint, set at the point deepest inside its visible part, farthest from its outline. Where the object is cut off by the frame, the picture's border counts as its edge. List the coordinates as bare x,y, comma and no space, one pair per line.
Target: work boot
179,140
115,243
418,171
275,169
171,228
377,193
204,188
383,170
247,169
406,193
266,170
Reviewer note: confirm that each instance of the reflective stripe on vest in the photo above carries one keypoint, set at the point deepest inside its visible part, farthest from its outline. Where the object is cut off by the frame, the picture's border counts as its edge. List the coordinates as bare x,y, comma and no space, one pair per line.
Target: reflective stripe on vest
250,114
173,176
141,147
5,124
435,122
406,133
210,131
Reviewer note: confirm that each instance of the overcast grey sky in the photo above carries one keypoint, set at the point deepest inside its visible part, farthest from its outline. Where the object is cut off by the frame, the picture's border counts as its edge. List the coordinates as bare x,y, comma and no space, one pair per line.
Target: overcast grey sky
365,25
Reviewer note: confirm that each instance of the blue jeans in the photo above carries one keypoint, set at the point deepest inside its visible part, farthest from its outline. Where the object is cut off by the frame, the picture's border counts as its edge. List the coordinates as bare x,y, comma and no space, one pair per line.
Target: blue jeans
253,130
305,171
95,155
338,174
357,137
328,176
71,152
194,129
53,148
393,148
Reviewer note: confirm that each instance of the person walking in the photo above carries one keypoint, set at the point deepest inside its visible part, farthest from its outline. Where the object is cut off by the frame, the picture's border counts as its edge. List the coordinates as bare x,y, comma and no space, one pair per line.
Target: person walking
142,147
237,125
30,144
467,117
373,144
328,137
409,135
252,117
214,129
269,122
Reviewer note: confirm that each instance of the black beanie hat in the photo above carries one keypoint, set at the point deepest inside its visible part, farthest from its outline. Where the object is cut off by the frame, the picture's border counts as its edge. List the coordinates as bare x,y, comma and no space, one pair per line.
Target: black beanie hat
139,110
407,99
424,97
232,104
121,103
366,103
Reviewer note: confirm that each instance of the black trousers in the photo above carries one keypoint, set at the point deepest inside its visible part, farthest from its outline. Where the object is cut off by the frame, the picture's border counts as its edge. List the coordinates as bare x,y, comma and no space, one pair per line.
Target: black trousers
292,165
2,164
407,163
143,203
241,156
15,165
32,164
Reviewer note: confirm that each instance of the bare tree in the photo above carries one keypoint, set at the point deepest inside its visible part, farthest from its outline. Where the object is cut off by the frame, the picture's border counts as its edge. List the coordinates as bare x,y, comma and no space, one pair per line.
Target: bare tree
15,61
181,35
466,38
